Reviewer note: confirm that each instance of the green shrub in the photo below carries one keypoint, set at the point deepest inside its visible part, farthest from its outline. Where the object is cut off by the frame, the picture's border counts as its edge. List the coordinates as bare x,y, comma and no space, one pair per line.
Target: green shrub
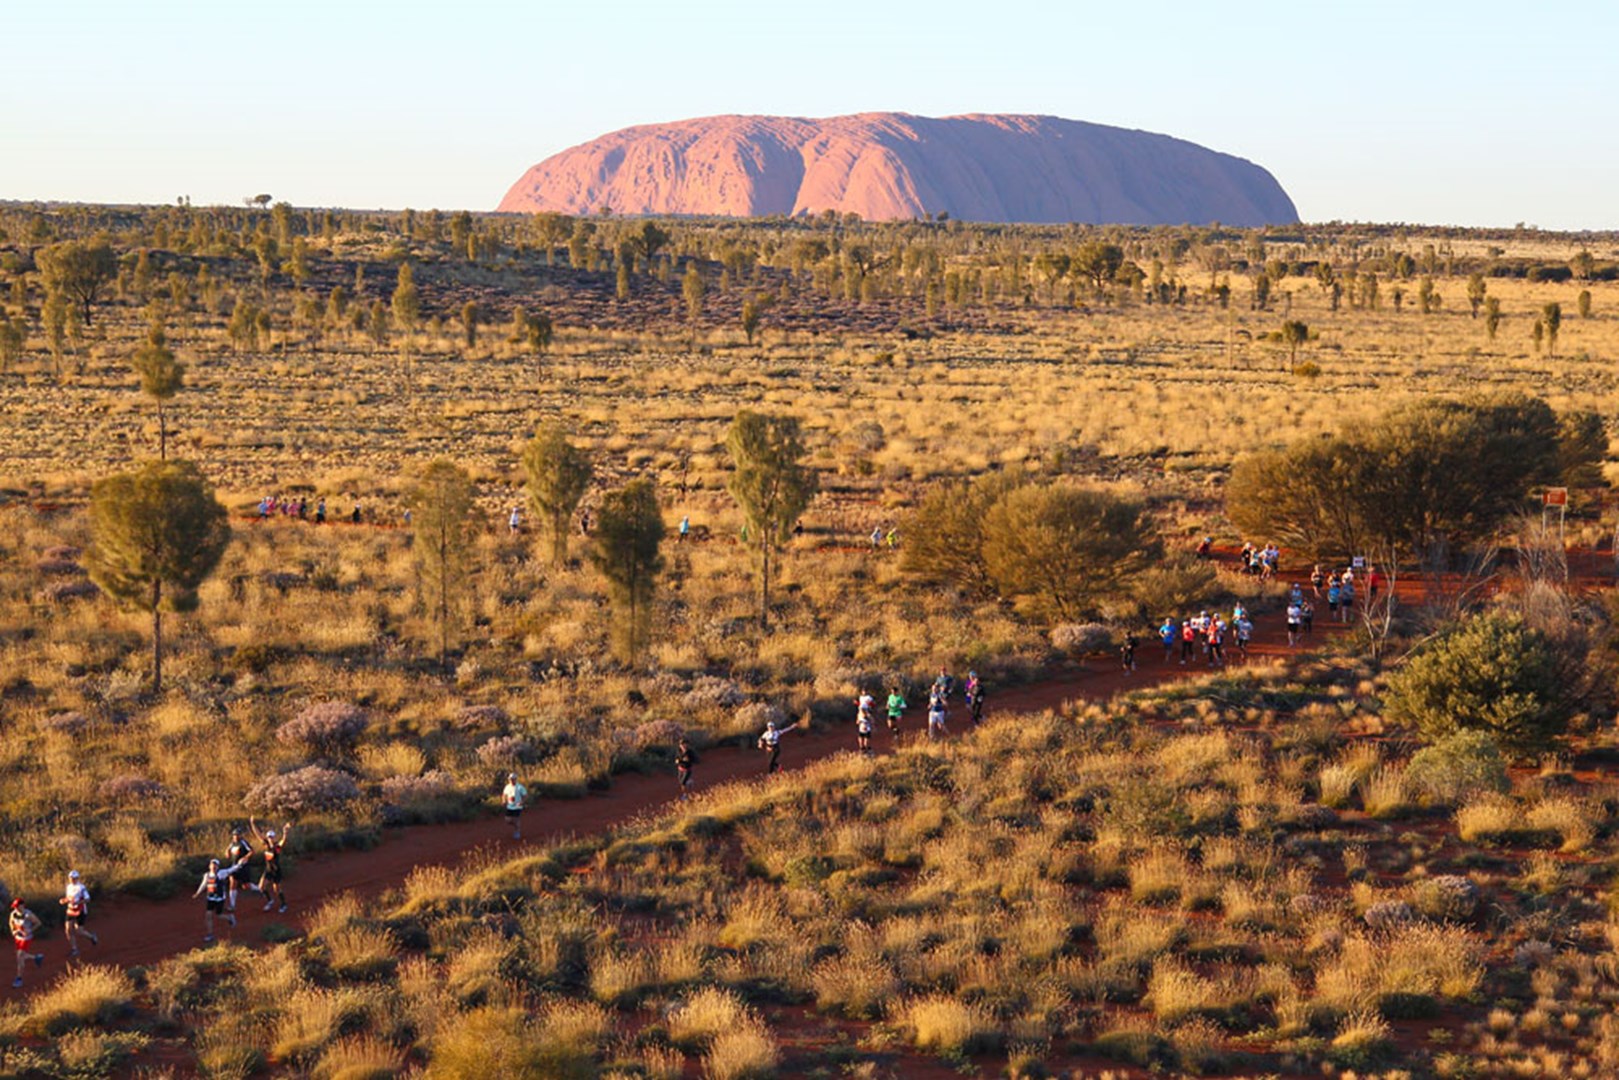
1490,673
1457,768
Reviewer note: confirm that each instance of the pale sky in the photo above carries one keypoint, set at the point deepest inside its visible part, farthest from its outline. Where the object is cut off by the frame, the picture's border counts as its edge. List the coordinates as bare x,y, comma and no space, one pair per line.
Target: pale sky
1437,112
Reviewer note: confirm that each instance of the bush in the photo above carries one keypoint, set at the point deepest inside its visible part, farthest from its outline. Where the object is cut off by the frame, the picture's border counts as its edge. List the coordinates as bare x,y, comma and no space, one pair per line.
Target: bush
410,789
1491,673
756,714
1081,639
313,787
66,723
1455,769
712,692
129,788
472,717
501,751
328,728
947,1026
1062,550
60,592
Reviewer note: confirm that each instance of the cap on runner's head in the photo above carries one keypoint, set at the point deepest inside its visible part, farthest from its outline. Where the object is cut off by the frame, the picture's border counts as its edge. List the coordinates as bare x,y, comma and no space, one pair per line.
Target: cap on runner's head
16,902
771,724
73,875
511,776
269,834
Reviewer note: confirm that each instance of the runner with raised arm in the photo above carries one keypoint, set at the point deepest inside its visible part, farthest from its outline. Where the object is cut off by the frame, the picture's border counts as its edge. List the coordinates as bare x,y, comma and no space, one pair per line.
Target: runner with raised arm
238,852
270,880
215,892
770,743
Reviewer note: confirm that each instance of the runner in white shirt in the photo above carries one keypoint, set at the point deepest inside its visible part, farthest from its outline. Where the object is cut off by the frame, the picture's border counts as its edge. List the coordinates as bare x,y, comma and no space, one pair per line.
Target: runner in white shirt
770,743
1295,613
515,796
865,709
76,902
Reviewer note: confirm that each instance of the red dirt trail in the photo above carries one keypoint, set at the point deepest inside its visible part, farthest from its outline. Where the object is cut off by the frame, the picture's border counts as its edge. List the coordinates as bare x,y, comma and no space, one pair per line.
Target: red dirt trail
135,931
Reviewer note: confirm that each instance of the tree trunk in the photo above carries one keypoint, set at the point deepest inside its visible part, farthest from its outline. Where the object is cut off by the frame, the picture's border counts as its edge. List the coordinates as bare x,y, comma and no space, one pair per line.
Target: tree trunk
764,581
157,637
162,435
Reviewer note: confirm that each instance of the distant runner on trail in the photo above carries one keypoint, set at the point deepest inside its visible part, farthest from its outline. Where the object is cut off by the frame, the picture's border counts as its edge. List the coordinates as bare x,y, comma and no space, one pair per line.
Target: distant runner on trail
936,717
770,743
944,684
1127,652
1188,637
215,892
23,925
865,708
1245,633
270,880
896,709
1295,616
514,796
973,692
75,902
685,758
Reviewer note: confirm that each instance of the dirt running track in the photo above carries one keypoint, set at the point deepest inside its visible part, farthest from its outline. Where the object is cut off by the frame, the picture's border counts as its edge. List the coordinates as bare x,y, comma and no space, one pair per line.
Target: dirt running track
140,932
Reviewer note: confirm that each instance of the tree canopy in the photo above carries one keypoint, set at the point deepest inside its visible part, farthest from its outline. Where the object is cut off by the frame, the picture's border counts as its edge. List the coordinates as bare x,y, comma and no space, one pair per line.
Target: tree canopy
1429,475
157,534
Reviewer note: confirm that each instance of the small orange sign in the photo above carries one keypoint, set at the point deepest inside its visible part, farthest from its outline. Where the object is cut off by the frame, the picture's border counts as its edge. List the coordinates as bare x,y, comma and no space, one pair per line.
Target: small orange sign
1555,496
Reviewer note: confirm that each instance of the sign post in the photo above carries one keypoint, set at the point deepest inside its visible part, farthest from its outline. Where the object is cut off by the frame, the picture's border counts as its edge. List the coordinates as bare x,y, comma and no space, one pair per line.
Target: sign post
1557,498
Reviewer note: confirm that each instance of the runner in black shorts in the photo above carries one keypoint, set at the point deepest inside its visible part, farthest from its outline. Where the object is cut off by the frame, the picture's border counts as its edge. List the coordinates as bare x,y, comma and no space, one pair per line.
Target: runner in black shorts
685,758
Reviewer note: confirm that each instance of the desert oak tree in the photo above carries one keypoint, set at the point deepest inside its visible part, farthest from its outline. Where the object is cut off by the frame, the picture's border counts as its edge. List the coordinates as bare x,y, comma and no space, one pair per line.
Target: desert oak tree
771,484
558,475
629,532
441,503
157,532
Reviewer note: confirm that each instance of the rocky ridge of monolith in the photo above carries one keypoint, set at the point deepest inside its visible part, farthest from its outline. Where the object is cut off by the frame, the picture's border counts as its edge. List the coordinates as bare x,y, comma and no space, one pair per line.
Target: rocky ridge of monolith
887,166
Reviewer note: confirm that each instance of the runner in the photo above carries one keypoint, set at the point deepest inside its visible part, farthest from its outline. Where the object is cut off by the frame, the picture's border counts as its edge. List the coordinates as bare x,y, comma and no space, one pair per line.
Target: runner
239,852
865,705
685,758
1188,637
770,742
23,925
515,796
76,902
936,716
685,529
1295,616
270,880
1216,642
1167,633
1346,599
896,708
974,694
1334,594
944,684
1307,618
876,537
1245,632
1127,652
1317,579
215,892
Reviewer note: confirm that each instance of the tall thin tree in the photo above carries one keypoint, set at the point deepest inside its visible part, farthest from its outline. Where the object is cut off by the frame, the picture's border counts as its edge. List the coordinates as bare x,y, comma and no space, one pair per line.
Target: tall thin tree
558,474
772,485
161,377
441,503
629,531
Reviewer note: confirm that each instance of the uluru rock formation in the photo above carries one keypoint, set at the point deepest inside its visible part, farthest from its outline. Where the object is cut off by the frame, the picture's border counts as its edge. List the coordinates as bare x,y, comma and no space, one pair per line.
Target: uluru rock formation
886,166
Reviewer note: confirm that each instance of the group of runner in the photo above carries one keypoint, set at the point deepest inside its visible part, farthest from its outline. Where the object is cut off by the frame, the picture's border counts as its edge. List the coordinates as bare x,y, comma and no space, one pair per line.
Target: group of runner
218,891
